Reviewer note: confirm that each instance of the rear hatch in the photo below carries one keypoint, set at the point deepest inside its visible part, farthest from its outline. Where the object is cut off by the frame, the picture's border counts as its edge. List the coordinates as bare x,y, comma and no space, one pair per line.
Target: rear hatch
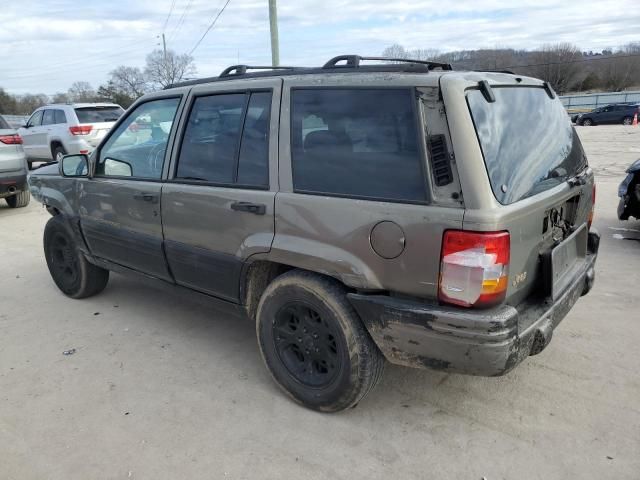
11,152
539,187
99,118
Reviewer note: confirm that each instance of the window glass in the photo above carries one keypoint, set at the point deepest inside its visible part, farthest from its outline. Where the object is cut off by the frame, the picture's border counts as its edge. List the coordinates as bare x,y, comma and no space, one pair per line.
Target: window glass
3,124
48,118
36,119
60,117
253,164
98,114
358,142
210,144
528,142
137,147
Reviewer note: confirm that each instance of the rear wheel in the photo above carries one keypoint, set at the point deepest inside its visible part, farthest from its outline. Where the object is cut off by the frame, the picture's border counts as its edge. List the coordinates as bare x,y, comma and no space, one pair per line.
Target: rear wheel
587,122
20,199
627,121
58,153
314,344
70,270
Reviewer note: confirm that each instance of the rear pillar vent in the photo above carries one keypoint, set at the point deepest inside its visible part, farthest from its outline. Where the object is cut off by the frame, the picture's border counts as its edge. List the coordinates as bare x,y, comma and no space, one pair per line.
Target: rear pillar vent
440,163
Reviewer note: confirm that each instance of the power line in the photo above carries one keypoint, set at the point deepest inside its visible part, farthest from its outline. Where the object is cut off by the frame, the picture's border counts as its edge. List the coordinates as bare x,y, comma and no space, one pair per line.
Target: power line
173,4
181,20
210,27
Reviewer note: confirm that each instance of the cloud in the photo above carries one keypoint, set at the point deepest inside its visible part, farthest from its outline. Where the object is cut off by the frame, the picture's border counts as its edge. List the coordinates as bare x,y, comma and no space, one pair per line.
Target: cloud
47,45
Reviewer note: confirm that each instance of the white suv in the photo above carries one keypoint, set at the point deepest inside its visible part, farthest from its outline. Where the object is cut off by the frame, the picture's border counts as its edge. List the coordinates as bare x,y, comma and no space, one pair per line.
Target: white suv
60,129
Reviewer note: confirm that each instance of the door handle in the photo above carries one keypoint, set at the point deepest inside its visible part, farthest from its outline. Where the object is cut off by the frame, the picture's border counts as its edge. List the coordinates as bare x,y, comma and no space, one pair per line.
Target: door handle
256,208
146,197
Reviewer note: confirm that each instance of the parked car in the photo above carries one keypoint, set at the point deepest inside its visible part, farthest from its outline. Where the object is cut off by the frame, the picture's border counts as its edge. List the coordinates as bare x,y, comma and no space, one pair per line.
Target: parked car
629,193
55,130
355,212
13,168
611,114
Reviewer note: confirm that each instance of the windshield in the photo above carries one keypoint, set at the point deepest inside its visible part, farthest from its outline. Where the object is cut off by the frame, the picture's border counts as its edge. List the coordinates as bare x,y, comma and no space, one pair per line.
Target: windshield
98,114
528,142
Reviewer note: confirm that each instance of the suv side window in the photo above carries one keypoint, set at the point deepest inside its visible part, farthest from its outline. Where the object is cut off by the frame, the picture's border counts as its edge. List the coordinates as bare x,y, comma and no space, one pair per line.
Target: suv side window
48,118
226,140
60,117
137,147
359,143
36,119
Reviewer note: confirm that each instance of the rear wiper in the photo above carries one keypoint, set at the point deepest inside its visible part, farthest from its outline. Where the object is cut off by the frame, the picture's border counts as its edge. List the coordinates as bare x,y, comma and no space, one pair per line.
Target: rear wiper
579,178
199,179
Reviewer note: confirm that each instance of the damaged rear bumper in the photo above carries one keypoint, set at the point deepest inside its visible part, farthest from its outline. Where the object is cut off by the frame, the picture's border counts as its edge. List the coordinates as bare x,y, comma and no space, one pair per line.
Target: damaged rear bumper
476,342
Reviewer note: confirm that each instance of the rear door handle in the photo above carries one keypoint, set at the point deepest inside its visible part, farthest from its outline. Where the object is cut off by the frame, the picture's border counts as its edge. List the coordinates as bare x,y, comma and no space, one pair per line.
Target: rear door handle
146,197
256,208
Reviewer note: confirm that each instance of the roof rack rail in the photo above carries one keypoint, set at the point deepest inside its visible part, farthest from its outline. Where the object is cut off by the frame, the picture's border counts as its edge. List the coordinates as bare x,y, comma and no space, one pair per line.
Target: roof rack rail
353,61
235,70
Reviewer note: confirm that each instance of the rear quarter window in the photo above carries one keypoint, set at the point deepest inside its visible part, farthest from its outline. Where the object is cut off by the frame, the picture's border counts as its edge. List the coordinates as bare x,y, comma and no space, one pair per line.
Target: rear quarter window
360,143
3,124
527,140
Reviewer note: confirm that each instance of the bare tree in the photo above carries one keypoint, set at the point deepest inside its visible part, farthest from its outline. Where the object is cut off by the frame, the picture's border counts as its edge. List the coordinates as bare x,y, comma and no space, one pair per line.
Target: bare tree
395,51
558,65
163,70
129,81
60,97
81,92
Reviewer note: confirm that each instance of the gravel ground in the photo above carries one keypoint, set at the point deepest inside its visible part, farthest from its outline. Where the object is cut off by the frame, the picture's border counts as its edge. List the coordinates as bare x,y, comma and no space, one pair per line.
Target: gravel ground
165,385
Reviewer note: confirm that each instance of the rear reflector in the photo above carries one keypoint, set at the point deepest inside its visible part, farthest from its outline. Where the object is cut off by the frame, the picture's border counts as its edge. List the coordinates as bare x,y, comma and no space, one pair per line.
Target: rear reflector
81,129
13,139
474,268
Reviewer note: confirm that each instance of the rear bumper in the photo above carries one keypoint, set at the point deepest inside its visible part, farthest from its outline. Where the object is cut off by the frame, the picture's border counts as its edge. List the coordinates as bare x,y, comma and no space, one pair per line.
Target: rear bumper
12,183
481,342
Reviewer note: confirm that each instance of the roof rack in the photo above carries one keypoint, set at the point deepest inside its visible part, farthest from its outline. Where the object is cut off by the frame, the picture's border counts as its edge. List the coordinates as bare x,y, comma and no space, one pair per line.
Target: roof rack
353,61
235,70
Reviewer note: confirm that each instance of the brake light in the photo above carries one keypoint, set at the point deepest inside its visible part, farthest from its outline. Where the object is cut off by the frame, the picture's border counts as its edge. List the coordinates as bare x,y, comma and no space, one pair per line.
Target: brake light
474,268
13,139
81,129
593,206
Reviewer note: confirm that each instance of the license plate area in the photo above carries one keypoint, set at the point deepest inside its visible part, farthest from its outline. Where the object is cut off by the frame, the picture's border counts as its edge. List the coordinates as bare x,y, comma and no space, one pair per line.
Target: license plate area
565,261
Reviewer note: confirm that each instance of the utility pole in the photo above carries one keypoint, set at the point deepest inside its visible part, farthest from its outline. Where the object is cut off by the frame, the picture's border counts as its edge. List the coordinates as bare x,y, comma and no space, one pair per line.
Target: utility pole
164,47
273,21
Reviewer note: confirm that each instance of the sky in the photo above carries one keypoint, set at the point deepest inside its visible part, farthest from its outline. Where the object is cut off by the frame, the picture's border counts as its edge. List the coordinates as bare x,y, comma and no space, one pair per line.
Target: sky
45,46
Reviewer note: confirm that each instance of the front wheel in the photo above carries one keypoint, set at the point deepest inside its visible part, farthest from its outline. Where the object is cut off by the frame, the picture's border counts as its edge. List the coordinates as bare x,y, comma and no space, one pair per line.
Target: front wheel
70,270
314,344
627,121
587,122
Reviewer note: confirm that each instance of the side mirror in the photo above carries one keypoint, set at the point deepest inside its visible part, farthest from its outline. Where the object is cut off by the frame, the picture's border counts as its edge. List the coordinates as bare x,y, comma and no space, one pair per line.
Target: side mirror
117,168
74,166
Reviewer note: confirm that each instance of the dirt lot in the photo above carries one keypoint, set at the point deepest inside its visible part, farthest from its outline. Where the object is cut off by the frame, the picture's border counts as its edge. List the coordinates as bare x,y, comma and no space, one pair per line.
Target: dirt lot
165,386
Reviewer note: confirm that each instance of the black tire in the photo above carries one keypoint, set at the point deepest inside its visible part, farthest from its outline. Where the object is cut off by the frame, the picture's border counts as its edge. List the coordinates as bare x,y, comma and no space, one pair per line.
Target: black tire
587,122
314,344
627,120
58,151
70,270
19,200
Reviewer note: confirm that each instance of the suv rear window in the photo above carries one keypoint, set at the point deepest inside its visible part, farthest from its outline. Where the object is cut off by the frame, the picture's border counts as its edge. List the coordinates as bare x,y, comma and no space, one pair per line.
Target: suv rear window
3,124
528,142
359,143
98,114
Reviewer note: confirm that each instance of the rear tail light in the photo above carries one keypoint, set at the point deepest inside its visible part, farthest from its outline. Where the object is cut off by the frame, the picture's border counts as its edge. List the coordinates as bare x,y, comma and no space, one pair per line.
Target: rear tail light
13,139
81,129
474,268
593,206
